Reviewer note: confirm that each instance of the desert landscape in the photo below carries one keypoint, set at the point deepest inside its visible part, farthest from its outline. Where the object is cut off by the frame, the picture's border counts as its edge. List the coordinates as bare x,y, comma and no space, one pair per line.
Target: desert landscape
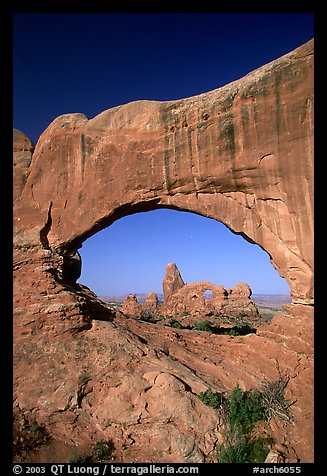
177,377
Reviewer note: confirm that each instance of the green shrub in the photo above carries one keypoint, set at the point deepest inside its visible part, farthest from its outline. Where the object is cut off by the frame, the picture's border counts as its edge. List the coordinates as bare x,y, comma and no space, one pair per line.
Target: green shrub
240,315
239,412
245,409
102,450
80,459
234,452
37,429
245,450
159,317
268,316
259,449
233,333
174,323
203,326
212,399
27,437
147,316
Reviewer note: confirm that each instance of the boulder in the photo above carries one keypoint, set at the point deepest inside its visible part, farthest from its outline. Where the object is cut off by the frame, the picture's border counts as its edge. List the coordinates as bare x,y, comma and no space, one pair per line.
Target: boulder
131,307
151,302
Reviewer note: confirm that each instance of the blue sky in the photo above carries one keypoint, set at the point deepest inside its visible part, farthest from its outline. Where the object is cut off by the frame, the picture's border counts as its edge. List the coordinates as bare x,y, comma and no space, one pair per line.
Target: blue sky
90,62
131,255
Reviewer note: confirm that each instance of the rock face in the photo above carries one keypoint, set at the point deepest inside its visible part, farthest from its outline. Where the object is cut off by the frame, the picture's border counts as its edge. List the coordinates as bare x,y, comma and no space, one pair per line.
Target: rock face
23,149
243,155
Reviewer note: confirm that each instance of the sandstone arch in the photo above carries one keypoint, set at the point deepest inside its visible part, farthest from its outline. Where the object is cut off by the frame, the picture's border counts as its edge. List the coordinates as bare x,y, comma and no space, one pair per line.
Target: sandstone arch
241,154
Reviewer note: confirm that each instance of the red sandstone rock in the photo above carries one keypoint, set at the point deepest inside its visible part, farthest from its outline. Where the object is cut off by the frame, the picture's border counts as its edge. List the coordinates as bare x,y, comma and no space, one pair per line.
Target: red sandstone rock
131,306
151,302
23,150
180,298
242,154
172,282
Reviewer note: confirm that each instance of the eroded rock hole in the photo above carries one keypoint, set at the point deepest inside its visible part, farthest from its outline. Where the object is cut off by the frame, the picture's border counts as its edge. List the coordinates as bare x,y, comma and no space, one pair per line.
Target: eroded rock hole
207,295
72,267
129,258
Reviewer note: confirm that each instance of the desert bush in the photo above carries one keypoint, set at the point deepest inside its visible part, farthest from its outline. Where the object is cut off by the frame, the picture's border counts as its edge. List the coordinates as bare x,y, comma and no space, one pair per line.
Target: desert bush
233,452
203,326
174,323
244,450
240,315
80,459
273,400
159,317
147,315
241,330
240,412
233,333
212,399
27,436
268,316
37,429
102,451
244,410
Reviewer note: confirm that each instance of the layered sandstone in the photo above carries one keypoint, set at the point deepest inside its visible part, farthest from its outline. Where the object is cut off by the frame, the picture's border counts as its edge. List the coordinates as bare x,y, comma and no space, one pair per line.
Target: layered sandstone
242,154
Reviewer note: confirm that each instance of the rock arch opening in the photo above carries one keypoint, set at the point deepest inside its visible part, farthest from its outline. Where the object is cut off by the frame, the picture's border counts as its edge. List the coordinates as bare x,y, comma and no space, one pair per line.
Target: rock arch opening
249,165
236,165
131,255
207,295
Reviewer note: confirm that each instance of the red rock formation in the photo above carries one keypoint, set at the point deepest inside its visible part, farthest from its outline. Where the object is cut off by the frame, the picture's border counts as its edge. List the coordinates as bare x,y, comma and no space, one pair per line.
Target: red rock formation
151,302
242,154
131,307
180,298
172,282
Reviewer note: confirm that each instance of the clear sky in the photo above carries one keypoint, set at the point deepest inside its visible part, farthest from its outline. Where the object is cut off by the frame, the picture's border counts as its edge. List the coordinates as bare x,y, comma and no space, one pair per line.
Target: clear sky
90,62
